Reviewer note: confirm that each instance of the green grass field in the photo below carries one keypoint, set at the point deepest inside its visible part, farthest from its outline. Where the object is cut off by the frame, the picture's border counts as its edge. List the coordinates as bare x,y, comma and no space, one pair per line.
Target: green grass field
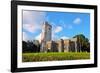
54,56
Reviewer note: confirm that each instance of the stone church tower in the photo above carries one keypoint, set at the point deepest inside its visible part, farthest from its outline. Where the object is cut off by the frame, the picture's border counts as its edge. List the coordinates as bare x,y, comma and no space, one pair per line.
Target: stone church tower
46,36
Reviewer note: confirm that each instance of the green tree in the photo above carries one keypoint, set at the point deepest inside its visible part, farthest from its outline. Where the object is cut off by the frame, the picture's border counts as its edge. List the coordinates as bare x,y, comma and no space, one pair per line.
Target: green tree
30,46
36,42
83,42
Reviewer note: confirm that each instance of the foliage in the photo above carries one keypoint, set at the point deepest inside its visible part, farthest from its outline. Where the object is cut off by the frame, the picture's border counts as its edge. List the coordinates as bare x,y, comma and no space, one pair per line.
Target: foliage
54,56
30,46
83,42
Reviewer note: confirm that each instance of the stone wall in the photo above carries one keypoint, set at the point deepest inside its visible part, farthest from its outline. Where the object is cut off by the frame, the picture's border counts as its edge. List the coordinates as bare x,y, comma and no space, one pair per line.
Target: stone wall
67,45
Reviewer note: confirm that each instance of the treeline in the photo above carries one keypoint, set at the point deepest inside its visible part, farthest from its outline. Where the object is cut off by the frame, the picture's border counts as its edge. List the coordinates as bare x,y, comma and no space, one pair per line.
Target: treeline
30,46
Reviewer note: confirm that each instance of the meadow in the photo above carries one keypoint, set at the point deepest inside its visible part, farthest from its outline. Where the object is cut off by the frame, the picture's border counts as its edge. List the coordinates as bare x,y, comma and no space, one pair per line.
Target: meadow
54,56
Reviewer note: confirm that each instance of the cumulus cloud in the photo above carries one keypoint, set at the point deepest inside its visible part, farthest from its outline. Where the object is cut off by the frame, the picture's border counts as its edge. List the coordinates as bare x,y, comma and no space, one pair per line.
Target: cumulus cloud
65,25
64,37
77,21
58,29
33,20
30,27
38,37
25,37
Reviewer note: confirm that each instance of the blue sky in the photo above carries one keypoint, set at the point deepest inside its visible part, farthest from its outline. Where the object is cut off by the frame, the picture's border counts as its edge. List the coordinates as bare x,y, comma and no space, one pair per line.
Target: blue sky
65,25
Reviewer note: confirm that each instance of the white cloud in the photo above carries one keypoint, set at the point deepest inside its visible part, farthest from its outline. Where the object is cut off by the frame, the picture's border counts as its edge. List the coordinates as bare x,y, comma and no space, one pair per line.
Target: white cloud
25,37
77,21
67,26
31,27
64,37
63,23
32,20
58,29
38,37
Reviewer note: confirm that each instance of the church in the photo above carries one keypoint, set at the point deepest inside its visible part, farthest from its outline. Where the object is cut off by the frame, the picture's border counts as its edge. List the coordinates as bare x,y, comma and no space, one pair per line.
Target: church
61,45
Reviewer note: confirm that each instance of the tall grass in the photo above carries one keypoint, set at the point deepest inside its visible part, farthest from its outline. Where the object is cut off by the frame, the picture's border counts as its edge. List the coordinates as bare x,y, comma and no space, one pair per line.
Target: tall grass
54,56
